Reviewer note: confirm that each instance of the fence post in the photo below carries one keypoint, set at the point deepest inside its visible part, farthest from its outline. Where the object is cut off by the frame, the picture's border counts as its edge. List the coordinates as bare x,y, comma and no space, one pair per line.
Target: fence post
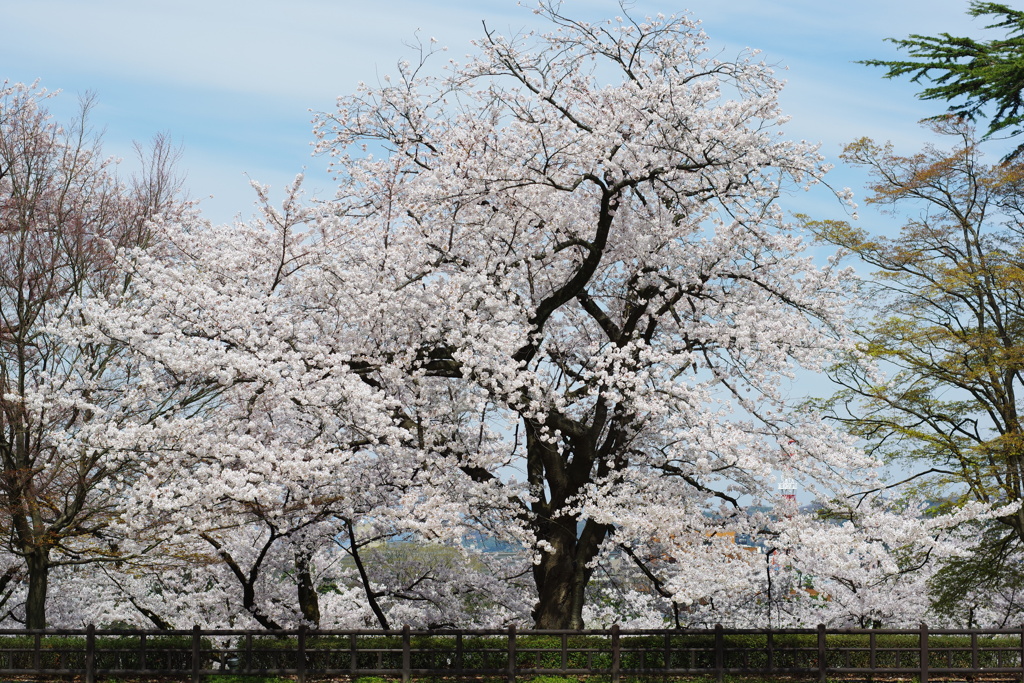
195,654
719,654
458,653
90,653
974,649
616,653
301,664
511,676
1021,653
406,655
924,652
822,663
771,650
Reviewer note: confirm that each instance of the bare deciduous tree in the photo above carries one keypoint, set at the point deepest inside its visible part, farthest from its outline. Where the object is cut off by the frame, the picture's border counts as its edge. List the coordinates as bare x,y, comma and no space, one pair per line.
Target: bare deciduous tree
63,212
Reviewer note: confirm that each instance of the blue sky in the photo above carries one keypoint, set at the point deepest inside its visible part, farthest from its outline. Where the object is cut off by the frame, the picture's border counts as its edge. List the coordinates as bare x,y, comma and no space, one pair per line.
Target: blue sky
233,81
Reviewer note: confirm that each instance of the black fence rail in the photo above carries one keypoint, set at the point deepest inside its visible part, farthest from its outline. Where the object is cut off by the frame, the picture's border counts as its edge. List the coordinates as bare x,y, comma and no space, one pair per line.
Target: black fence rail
510,654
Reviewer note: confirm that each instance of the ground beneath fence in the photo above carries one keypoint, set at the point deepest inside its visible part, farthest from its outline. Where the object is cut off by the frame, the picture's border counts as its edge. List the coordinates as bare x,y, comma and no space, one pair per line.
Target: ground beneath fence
994,678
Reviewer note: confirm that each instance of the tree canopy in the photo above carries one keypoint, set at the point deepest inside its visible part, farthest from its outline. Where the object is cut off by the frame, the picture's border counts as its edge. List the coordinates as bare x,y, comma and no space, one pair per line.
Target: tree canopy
554,309
556,306
946,323
980,77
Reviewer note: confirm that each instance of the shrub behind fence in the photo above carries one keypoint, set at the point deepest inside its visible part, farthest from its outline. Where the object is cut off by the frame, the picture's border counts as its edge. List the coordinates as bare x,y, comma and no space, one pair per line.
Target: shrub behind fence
508,654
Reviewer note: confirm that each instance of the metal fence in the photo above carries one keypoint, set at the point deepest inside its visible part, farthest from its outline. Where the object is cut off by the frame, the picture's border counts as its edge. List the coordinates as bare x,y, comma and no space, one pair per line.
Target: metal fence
510,654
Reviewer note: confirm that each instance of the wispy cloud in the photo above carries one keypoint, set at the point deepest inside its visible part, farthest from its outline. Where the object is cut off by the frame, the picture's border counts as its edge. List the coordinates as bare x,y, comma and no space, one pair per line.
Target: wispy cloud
234,79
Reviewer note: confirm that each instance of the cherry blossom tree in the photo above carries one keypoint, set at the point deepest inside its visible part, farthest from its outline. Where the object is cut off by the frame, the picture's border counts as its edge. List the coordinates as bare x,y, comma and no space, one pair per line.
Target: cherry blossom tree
554,302
580,228
869,562
862,562
259,434
63,212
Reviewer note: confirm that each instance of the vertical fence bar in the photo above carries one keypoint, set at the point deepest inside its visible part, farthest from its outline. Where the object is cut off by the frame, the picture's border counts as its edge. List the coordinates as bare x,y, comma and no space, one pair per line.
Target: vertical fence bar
924,652
668,652
142,651
37,644
872,656
771,651
719,654
616,653
511,674
353,656
248,652
300,664
406,655
90,653
195,654
822,659
1022,653
458,654
565,652
974,650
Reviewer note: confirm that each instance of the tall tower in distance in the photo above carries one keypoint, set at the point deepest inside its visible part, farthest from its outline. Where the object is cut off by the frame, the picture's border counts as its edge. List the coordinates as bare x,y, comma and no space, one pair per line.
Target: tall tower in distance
788,490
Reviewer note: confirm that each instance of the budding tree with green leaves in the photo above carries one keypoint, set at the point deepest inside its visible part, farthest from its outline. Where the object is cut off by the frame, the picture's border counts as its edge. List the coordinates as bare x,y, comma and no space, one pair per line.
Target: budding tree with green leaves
947,325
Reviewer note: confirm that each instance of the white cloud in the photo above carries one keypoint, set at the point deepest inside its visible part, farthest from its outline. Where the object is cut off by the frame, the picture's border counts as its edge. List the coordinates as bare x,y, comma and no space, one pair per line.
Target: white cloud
233,78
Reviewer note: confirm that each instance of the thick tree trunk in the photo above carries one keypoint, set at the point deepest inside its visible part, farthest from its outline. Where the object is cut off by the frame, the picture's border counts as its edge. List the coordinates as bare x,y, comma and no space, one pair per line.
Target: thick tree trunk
563,575
38,580
556,578
309,601
567,547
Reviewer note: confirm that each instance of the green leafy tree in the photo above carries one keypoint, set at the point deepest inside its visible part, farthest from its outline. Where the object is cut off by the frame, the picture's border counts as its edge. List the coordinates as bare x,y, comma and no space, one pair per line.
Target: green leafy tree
947,326
976,76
